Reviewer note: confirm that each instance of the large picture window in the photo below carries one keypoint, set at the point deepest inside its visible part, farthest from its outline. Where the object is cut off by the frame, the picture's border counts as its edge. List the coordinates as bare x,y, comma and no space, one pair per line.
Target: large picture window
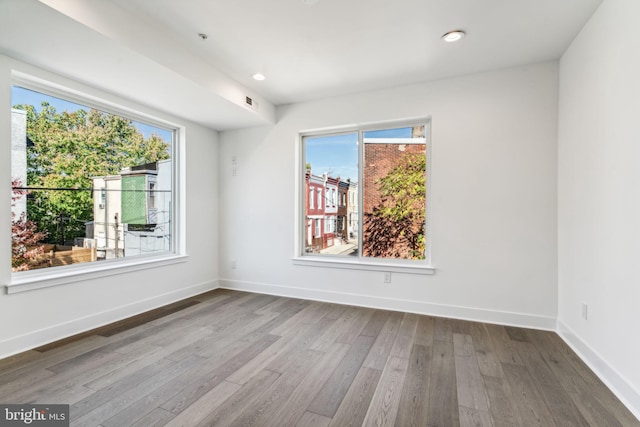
87,185
379,176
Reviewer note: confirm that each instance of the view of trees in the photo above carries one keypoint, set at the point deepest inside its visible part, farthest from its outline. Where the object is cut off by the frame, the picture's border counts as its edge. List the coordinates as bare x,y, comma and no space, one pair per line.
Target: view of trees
396,227
67,149
25,235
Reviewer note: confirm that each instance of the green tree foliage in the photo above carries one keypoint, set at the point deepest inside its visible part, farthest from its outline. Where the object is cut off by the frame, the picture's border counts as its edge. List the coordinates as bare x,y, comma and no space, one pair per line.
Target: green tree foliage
69,148
396,227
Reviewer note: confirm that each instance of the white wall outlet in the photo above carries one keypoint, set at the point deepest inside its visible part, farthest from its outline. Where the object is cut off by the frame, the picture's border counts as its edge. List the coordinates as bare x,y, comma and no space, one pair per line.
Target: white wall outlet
234,171
387,277
234,160
234,264
585,311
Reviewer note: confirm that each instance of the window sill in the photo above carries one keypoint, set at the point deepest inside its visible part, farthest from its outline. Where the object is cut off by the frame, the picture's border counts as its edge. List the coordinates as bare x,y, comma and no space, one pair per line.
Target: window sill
393,267
45,278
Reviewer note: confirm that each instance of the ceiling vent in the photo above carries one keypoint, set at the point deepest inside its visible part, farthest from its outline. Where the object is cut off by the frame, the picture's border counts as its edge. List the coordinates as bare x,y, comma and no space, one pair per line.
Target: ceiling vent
251,103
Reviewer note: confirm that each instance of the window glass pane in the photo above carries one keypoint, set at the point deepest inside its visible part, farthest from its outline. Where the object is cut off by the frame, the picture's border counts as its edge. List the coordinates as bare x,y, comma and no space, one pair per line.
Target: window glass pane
332,172
86,185
394,186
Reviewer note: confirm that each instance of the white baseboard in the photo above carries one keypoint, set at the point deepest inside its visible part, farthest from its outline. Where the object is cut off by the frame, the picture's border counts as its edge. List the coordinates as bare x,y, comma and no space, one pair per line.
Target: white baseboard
419,307
53,333
624,391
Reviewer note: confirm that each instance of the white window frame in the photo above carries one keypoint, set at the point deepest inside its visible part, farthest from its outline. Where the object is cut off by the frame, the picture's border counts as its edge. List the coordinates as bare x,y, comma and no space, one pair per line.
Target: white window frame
76,92
311,197
422,267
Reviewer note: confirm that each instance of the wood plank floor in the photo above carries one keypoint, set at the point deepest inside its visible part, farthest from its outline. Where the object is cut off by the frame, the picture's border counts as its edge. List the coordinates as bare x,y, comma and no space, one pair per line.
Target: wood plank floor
231,358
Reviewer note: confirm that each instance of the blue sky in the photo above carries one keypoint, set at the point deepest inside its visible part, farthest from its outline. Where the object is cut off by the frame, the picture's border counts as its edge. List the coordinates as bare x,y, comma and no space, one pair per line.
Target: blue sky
21,95
338,154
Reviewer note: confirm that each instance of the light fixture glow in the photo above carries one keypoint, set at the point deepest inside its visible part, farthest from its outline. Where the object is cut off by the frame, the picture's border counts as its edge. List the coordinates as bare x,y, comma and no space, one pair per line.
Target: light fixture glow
258,76
453,36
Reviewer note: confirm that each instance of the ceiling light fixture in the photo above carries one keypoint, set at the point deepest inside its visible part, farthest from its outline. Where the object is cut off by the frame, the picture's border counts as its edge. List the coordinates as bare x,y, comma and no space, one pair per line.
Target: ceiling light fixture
453,36
258,76
203,36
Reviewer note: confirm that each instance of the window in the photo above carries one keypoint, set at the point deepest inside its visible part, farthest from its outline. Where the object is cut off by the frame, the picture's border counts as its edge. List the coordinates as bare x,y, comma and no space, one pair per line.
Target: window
87,185
311,197
152,195
319,198
382,214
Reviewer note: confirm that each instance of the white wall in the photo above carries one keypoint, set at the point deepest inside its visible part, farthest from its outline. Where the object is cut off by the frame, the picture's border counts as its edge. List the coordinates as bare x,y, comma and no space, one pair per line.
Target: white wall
599,196
35,317
494,199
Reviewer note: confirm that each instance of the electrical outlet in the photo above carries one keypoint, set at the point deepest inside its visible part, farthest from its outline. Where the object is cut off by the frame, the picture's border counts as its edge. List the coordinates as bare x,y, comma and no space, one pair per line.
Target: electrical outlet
387,277
234,264
234,160
585,311
234,172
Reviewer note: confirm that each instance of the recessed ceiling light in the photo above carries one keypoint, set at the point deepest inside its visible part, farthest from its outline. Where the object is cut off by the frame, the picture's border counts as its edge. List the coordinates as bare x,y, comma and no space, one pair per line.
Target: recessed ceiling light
258,76
453,36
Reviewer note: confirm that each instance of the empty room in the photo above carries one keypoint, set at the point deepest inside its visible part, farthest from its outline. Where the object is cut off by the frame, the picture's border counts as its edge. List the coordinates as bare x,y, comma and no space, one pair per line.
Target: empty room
320,213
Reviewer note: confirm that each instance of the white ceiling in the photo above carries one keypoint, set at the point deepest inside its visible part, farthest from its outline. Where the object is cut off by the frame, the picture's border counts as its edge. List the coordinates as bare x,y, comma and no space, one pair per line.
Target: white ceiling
329,48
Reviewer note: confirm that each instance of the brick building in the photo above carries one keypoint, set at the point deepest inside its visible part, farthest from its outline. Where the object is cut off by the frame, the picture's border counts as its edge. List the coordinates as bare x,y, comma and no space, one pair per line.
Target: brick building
381,156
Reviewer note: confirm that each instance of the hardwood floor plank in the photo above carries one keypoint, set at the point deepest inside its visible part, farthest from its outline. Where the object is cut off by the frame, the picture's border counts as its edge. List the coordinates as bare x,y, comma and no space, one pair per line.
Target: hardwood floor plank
376,323
472,417
414,400
301,344
503,346
104,403
351,333
443,393
488,361
554,395
501,406
516,334
277,393
377,357
294,407
240,401
386,400
288,310
156,418
355,404
338,328
443,329
206,379
404,339
531,407
199,409
277,352
425,331
308,315
309,419
67,395
594,412
469,382
332,393
10,388
181,390
143,360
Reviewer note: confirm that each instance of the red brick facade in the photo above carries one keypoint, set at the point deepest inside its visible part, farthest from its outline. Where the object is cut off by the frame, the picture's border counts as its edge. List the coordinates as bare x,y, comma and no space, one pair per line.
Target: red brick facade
379,159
